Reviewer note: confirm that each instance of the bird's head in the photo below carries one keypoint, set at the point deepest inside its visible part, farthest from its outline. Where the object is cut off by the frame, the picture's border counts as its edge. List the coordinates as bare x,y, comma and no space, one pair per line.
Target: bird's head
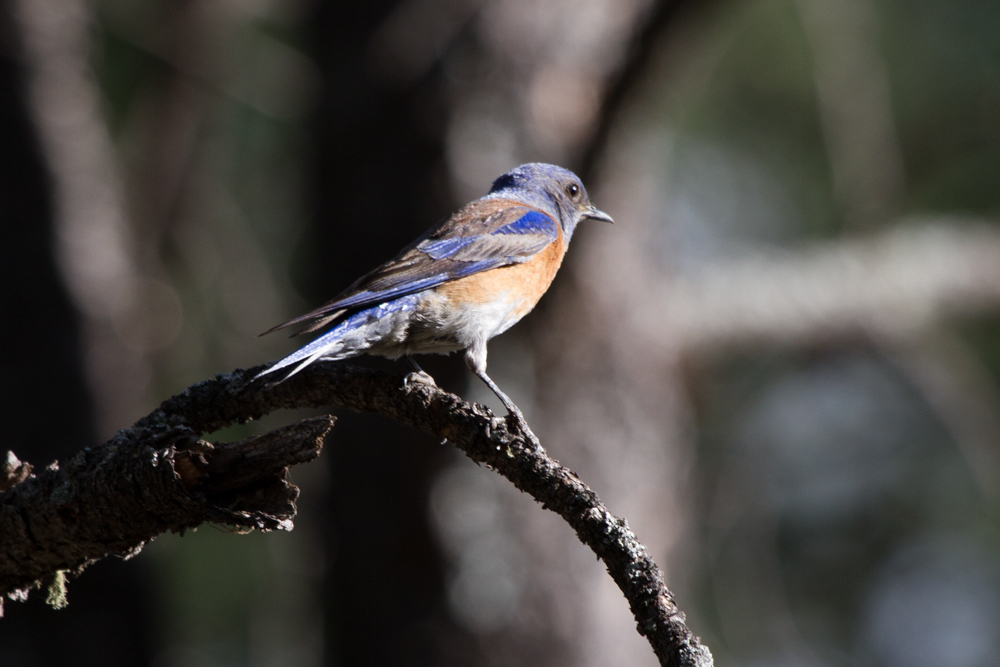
557,191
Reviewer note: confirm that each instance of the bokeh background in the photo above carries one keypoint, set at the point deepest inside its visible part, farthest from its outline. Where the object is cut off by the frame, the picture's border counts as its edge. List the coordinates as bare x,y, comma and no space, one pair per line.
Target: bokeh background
781,365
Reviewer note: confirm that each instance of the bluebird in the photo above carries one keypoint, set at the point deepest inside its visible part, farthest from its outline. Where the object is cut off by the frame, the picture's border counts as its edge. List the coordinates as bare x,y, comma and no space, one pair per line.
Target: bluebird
466,280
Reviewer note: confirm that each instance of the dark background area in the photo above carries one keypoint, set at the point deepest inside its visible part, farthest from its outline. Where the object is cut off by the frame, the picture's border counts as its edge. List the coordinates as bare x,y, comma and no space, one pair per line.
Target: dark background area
781,364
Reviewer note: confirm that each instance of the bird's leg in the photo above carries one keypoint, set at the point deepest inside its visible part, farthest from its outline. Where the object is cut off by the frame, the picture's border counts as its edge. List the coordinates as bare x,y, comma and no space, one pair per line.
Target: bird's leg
507,403
475,359
512,409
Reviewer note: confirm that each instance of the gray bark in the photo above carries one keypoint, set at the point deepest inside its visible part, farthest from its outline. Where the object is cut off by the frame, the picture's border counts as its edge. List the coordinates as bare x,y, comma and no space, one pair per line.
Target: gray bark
159,476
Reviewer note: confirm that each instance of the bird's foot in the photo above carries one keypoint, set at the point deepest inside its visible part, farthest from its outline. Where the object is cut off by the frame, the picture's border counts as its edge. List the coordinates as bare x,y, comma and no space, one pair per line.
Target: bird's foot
515,415
418,377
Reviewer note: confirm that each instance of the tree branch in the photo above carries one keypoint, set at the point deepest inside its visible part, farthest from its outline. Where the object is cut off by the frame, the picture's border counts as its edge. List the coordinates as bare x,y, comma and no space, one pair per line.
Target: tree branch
892,285
147,480
485,438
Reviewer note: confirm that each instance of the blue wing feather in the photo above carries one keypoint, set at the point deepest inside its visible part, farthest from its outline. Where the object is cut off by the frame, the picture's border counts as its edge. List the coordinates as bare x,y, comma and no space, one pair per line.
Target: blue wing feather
445,247
532,222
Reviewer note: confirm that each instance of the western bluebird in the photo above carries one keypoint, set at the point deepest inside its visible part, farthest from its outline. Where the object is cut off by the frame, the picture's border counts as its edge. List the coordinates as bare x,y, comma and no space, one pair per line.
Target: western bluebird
464,281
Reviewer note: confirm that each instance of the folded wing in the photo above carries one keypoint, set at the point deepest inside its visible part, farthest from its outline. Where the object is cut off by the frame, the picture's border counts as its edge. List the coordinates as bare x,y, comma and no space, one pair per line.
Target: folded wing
486,234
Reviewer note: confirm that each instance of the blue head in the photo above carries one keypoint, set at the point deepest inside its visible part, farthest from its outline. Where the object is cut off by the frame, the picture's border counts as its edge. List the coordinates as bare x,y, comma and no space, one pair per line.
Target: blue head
551,189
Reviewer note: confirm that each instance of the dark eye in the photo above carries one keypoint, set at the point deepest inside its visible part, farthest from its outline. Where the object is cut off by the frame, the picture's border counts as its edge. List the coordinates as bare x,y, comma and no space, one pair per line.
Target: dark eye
573,190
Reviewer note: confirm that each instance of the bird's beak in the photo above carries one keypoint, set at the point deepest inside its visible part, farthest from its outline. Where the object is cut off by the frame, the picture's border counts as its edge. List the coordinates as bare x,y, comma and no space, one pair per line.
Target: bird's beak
597,214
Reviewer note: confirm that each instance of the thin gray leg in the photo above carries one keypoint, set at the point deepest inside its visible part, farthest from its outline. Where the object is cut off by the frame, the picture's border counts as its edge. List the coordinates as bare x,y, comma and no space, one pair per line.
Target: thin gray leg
507,403
514,411
475,359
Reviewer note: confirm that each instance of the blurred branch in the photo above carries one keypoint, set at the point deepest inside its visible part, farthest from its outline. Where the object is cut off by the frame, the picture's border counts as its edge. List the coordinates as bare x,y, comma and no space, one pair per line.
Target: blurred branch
146,458
893,290
147,480
854,100
887,287
622,85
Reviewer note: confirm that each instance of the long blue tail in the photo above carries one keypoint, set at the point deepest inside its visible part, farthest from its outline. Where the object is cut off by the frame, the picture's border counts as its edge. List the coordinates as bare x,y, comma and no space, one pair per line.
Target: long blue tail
350,337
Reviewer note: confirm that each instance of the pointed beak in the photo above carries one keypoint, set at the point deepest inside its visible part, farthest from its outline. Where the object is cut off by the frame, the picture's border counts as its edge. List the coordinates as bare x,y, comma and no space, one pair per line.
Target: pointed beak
597,214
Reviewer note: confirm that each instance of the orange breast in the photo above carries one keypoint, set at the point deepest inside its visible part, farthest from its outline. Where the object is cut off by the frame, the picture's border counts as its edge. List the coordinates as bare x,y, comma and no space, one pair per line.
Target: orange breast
522,285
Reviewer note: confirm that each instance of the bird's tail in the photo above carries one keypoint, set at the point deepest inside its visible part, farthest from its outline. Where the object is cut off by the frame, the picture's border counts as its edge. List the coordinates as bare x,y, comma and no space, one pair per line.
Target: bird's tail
328,346
353,336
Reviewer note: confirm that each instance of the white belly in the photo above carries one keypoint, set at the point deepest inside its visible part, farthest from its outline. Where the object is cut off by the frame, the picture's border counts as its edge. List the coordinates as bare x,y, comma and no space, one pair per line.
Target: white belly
438,327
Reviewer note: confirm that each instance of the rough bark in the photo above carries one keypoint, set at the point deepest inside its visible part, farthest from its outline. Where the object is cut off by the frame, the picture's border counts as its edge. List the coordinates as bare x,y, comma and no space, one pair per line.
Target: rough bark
160,457
147,480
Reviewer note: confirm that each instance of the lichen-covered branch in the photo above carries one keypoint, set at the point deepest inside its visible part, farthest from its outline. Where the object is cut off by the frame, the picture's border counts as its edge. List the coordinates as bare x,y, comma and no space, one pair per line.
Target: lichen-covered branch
235,398
485,439
147,480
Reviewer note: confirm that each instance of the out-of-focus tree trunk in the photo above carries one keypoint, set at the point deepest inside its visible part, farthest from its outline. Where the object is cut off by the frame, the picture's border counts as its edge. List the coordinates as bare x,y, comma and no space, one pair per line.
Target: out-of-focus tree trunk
377,185
46,405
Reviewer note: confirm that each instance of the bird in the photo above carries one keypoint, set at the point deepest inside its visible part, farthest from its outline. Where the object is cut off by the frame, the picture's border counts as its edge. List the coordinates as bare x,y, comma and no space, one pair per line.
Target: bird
467,279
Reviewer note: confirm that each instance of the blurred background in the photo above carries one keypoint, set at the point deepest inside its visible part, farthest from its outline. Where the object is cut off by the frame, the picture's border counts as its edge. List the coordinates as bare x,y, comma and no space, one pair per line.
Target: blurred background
781,365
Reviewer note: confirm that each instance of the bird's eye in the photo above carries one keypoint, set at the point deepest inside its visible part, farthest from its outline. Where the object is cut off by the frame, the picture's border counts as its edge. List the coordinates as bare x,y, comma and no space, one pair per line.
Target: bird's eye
573,190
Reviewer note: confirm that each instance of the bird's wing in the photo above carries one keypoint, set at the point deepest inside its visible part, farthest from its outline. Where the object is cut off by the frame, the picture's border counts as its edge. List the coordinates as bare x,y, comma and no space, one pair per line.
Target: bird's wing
486,234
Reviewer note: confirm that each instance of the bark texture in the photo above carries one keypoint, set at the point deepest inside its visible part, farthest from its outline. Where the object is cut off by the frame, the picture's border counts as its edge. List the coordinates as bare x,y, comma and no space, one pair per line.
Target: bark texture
147,480
158,476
